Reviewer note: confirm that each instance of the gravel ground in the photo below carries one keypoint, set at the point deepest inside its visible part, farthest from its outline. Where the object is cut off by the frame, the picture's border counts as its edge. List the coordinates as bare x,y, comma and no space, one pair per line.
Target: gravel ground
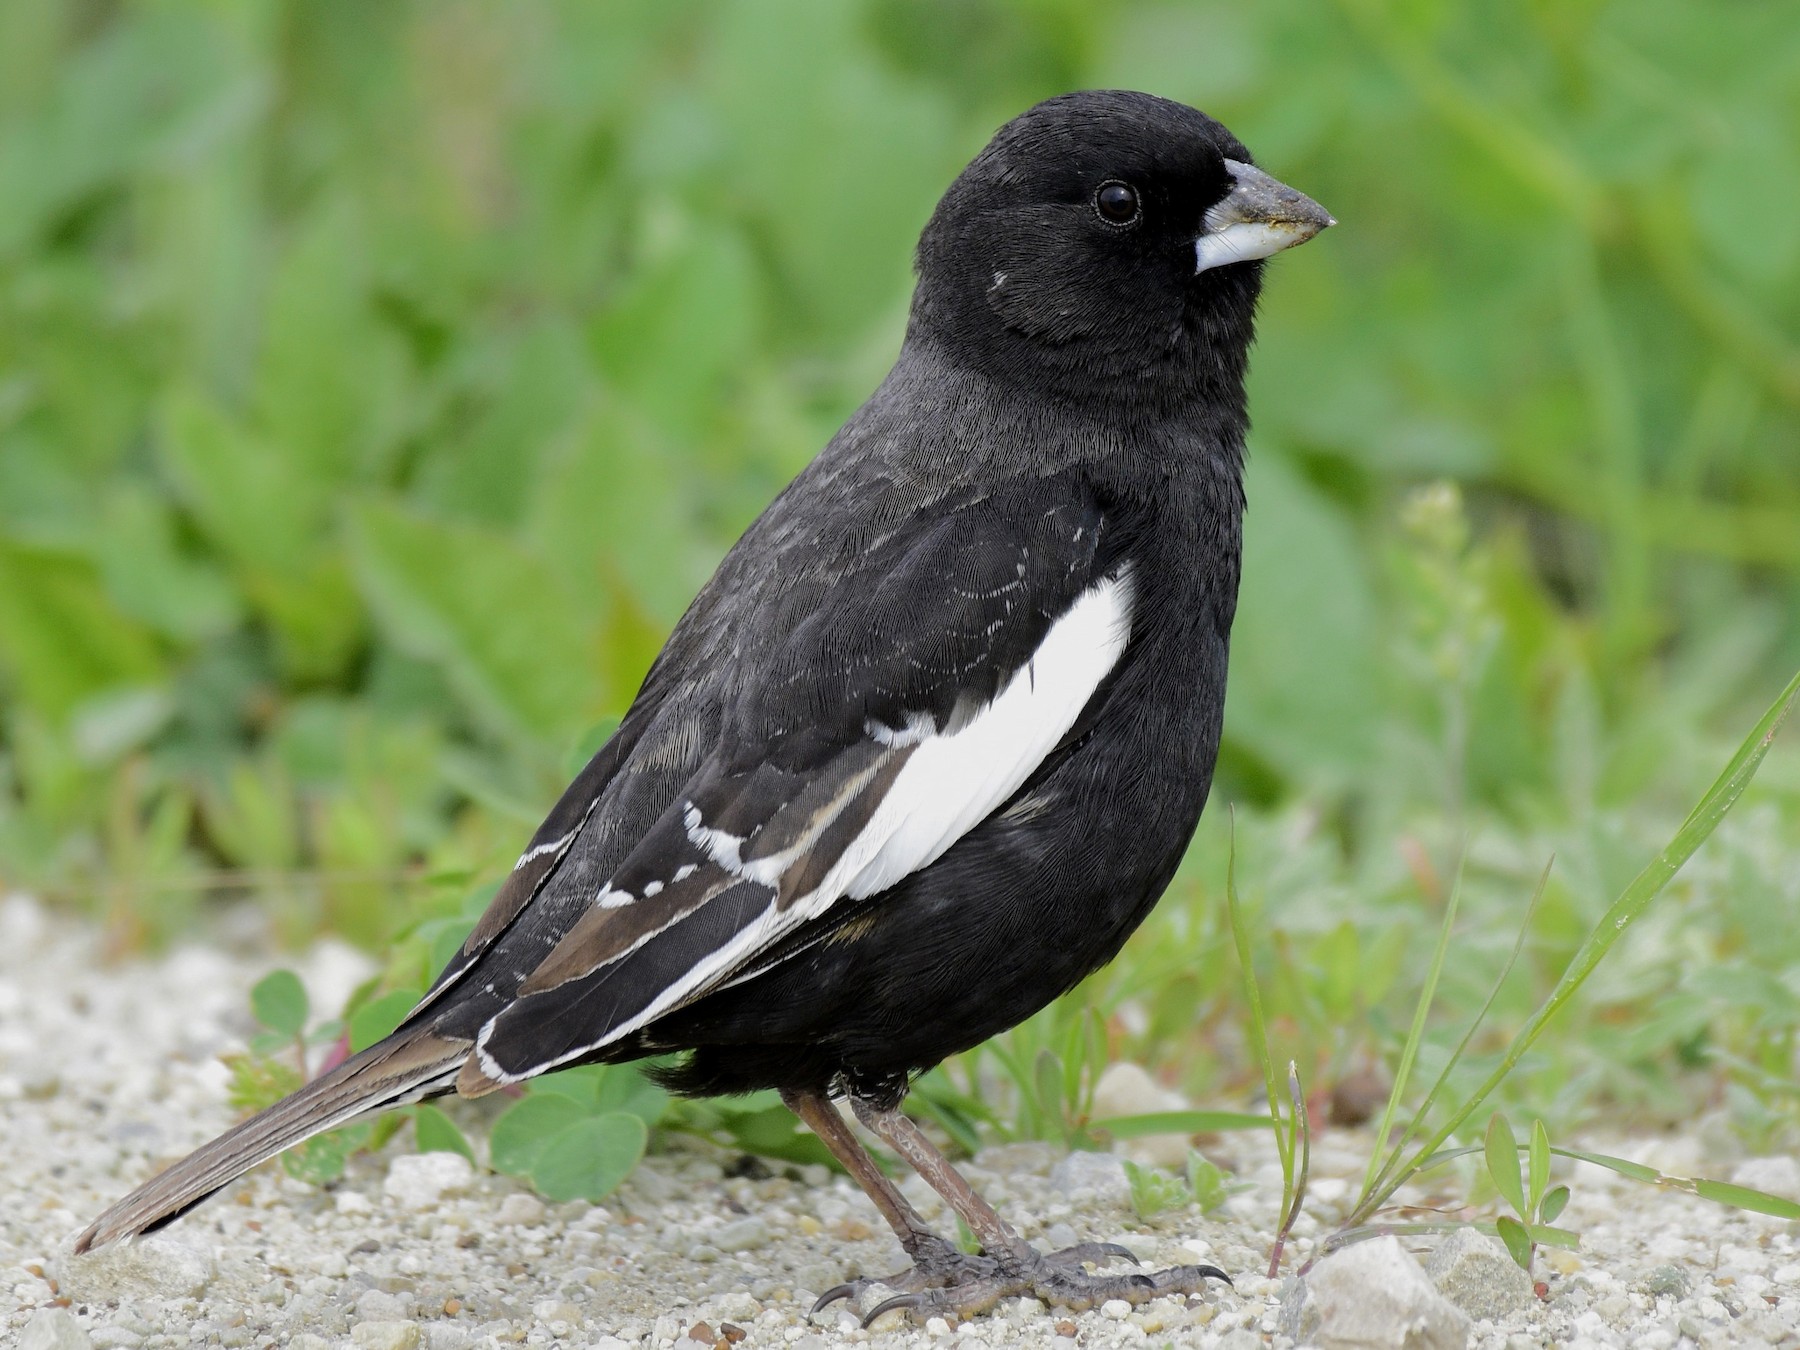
107,1071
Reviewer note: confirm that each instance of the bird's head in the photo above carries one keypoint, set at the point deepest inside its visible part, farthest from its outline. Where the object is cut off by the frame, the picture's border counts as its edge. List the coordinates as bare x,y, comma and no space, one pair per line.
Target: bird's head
1110,242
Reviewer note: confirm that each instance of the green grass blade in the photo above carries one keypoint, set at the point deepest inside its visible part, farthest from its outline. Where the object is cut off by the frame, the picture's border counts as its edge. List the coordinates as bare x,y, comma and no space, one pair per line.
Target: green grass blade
1700,823
1416,1033
1375,1196
1180,1122
1259,1032
1720,1192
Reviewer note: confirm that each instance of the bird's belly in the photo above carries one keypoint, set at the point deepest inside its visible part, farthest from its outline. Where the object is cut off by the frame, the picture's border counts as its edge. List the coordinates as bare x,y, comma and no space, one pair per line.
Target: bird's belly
1015,914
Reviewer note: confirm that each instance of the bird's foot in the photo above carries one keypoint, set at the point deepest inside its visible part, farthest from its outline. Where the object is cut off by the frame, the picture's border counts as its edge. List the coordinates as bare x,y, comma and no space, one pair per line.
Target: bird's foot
945,1282
936,1264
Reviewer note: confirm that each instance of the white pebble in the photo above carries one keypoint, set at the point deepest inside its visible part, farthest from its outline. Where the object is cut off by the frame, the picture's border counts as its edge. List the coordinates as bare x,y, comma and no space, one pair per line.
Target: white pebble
519,1208
420,1180
385,1336
1116,1308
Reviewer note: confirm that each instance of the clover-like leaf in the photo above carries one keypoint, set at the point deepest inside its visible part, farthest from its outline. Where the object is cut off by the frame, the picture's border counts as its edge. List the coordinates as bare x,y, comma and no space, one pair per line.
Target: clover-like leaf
435,1132
379,1016
278,1000
590,1158
526,1129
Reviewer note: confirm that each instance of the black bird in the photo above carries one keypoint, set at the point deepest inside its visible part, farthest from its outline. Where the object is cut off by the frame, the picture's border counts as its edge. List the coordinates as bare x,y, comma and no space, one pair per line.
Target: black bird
929,744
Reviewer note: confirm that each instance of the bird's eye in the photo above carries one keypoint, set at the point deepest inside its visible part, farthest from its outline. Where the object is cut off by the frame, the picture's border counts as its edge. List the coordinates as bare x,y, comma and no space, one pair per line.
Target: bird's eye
1117,203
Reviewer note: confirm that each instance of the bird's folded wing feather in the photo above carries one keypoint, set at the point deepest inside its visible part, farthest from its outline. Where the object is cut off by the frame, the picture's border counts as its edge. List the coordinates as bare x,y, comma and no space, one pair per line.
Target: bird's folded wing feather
909,702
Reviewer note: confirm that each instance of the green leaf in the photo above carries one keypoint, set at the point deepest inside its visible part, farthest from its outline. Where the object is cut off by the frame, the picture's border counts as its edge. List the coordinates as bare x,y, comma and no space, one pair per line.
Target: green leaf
321,1159
578,1085
495,616
1206,1182
773,1132
279,1002
1503,1162
61,639
1546,1236
626,1088
966,1242
526,1128
1540,1167
1153,1191
380,1016
590,1158
435,1132
1517,1240
1556,1199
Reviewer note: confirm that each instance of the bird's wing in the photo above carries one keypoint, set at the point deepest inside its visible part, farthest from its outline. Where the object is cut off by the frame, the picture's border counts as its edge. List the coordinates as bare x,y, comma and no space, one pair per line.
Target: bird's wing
910,700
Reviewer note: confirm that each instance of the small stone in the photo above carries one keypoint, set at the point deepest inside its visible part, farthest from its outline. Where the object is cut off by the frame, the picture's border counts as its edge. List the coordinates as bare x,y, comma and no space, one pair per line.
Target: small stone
354,1202
1372,1294
1561,1260
743,1235
936,1326
527,1211
115,1338
377,1305
387,1335
1127,1089
54,1329
1779,1175
736,1305
556,1310
444,1336
1065,1327
1100,1174
1666,1281
421,1180
158,1266
732,1332
1115,1308
307,1341
1475,1273
810,1226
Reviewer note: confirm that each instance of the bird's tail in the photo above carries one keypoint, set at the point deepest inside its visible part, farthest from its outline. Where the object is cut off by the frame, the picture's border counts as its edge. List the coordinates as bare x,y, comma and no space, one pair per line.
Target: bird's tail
407,1066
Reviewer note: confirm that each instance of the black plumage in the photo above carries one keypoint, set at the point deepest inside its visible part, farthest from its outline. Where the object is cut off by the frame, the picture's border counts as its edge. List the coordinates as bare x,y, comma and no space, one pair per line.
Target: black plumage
930,743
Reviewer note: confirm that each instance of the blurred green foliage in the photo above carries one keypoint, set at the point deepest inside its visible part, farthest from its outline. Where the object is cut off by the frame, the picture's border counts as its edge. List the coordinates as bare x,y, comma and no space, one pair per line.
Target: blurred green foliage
378,380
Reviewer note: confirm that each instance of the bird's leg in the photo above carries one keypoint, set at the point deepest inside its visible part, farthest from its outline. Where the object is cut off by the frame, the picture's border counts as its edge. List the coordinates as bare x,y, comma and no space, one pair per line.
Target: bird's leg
935,1261
1016,1266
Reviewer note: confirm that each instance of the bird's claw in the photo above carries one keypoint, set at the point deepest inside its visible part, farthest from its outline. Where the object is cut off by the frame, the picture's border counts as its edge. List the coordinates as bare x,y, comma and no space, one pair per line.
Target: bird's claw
1057,1286
949,1283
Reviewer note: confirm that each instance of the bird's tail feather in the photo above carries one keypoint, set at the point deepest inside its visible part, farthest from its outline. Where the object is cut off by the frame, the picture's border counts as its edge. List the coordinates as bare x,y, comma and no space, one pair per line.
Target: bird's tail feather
407,1066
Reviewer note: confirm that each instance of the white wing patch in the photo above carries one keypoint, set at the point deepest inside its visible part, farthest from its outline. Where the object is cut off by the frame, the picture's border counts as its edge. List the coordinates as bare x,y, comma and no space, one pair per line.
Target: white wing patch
951,783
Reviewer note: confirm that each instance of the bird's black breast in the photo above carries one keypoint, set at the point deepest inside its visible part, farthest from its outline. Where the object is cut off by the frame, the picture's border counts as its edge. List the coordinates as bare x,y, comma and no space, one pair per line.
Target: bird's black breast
1049,887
